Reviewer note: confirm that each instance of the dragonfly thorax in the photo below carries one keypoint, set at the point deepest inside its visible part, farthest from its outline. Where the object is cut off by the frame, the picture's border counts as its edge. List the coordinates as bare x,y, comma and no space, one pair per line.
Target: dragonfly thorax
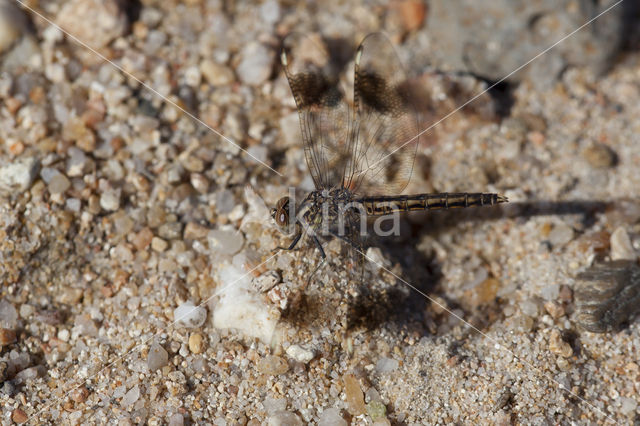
325,204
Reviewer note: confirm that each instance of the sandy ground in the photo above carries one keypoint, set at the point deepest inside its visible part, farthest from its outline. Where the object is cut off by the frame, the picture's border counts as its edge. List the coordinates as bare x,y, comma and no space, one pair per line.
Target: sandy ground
123,208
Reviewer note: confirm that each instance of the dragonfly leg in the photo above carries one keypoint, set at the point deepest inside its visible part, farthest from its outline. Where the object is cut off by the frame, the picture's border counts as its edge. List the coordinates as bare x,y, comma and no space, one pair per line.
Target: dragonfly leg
322,253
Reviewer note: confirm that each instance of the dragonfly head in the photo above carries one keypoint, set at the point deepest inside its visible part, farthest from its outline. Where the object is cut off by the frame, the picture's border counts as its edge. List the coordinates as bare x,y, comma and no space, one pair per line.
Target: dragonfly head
280,213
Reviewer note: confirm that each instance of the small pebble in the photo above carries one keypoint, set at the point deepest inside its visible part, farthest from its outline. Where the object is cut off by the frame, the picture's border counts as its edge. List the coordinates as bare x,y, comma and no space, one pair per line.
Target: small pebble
621,247
273,365
554,309
77,132
158,244
85,326
199,182
628,406
94,22
8,315
192,76
10,28
300,354
170,230
175,419
412,13
560,235
196,343
354,395
284,418
76,162
110,199
64,335
386,365
376,410
19,416
225,241
7,336
331,417
195,231
190,316
600,156
142,239
80,394
255,64
216,74
157,357
130,397
18,175
550,292
559,346
58,184
270,11
529,307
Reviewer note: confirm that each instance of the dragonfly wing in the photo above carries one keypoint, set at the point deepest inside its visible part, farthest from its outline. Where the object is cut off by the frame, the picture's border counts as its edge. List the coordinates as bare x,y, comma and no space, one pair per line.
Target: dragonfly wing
386,122
324,113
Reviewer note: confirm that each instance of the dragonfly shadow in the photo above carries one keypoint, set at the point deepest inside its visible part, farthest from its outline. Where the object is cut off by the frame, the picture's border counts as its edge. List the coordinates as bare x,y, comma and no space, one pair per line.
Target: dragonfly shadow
441,221
406,307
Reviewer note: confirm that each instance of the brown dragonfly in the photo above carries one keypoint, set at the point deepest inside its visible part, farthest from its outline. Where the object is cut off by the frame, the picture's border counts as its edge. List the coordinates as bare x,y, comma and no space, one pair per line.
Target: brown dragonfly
360,153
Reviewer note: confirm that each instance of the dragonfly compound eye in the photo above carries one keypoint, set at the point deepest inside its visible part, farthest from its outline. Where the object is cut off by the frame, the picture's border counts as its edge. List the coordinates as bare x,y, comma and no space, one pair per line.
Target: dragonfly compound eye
281,212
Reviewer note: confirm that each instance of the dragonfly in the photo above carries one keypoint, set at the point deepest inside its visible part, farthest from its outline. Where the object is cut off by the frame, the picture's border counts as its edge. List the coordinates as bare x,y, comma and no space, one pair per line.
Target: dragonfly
360,152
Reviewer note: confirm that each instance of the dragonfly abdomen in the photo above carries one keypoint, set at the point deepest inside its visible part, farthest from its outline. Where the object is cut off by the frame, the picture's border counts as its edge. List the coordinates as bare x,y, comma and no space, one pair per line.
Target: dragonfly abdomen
383,205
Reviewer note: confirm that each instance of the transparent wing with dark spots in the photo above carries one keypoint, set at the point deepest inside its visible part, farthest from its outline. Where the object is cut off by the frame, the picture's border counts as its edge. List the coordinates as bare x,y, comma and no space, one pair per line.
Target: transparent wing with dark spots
383,145
325,117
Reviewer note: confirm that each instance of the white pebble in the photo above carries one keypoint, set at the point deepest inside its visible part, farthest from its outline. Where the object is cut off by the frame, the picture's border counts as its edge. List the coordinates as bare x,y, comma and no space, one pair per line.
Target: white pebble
284,418
300,354
64,335
270,11
628,406
240,308
621,248
256,64
192,76
225,241
131,396
190,316
73,204
331,417
176,419
76,162
19,174
110,199
386,365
